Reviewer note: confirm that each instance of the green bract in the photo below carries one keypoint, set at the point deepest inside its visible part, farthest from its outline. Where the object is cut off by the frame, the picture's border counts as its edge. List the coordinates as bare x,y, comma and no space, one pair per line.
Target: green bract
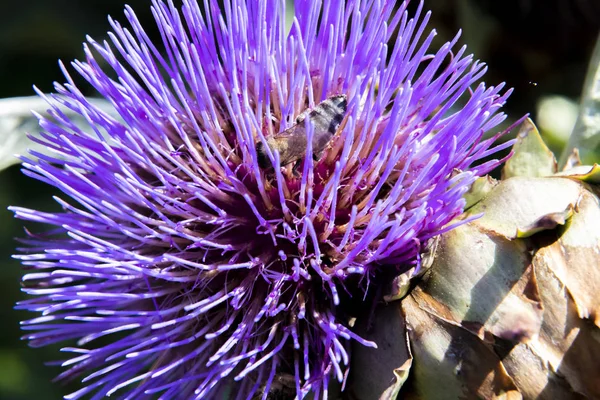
509,307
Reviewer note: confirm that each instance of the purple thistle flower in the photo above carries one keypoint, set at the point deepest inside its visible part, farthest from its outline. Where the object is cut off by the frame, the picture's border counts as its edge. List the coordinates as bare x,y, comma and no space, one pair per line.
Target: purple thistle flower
181,267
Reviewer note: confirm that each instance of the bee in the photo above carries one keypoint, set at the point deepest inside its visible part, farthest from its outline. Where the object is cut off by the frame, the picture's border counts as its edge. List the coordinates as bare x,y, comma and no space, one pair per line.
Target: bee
291,143
283,387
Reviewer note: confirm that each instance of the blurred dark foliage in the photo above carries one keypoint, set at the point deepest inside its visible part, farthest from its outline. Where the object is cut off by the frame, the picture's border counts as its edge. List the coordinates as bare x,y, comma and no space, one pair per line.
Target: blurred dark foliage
537,46
548,41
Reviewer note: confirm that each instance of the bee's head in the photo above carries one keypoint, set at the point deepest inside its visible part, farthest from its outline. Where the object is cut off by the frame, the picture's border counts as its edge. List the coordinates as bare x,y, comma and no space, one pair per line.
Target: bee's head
262,156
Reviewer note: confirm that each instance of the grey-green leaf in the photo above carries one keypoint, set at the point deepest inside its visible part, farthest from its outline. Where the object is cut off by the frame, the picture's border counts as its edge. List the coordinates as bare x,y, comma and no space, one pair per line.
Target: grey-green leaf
17,121
586,134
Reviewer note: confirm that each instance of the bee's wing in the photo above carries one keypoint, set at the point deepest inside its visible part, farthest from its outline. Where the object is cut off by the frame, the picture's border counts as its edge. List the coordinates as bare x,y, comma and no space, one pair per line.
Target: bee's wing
290,143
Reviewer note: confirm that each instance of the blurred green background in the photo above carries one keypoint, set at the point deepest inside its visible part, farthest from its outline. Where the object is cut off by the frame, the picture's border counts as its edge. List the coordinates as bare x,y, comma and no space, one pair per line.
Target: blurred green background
539,47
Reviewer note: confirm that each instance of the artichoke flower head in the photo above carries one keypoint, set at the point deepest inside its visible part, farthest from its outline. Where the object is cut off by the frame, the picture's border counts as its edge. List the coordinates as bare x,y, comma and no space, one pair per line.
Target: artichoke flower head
249,187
